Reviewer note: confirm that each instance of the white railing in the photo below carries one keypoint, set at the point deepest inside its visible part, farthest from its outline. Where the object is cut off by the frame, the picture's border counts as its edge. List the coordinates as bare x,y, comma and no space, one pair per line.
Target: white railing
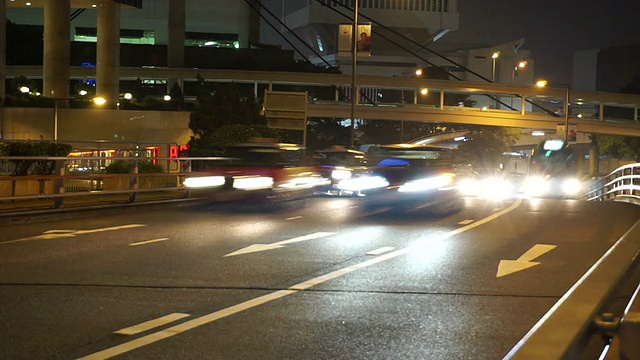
622,184
565,331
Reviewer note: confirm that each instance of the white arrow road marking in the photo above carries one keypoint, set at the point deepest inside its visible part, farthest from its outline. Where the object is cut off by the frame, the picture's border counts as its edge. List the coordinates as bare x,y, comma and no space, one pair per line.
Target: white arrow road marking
148,242
59,234
261,300
263,247
507,267
381,250
148,325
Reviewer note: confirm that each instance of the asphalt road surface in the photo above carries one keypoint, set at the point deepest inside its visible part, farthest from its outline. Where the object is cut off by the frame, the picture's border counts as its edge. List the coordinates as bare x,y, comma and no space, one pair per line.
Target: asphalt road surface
322,281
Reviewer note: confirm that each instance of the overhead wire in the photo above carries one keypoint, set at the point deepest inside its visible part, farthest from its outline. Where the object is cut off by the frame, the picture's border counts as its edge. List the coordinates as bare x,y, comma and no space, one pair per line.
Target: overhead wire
326,4
296,36
274,28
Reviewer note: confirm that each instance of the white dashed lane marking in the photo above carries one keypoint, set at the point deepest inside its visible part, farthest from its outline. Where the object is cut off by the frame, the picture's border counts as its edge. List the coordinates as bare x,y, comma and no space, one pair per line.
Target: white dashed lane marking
381,250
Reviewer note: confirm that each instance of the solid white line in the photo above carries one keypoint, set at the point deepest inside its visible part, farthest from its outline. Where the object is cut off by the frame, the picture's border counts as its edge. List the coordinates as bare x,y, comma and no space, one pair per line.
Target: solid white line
465,222
188,325
147,325
148,242
191,324
381,250
294,218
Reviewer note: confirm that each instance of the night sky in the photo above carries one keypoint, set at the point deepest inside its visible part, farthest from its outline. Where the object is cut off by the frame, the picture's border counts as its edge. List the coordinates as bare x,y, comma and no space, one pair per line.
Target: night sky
553,29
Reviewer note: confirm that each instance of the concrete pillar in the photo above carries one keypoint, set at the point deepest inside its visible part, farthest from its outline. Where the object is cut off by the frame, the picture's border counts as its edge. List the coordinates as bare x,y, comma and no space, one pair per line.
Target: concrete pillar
108,50
176,22
3,51
57,56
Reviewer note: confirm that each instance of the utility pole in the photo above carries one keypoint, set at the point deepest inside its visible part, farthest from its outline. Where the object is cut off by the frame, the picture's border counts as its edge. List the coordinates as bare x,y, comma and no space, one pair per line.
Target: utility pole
354,53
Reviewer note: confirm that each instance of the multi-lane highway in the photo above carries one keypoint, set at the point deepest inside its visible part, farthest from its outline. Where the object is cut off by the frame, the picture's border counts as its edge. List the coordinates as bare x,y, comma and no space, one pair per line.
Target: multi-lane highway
319,282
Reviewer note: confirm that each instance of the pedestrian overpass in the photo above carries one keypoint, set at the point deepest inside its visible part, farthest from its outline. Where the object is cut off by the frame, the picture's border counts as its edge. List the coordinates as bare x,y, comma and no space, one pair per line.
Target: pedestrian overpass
400,98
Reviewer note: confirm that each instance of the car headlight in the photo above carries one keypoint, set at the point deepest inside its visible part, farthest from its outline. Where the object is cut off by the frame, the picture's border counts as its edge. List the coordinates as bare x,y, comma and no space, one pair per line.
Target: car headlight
304,182
495,188
535,186
571,186
469,186
425,184
362,183
252,183
203,181
340,174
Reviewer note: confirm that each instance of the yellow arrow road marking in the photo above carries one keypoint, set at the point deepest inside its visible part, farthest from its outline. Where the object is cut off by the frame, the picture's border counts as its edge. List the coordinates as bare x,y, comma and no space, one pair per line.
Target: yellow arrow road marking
507,267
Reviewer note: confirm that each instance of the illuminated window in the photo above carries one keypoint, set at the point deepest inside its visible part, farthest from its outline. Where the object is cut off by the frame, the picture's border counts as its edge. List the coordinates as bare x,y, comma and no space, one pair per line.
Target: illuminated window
127,36
211,40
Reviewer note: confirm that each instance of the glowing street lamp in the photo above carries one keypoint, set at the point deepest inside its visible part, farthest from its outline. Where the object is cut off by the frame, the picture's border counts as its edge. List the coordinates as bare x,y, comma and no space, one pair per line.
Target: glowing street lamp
424,91
543,83
128,96
82,92
167,97
494,58
24,89
419,72
99,100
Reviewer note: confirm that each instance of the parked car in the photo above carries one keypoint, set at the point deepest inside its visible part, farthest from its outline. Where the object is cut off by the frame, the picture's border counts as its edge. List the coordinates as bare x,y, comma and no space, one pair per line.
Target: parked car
407,178
256,173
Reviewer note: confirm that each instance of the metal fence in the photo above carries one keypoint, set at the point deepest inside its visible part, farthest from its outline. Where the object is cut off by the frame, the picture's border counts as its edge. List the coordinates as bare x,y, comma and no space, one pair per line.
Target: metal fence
90,176
622,184
582,313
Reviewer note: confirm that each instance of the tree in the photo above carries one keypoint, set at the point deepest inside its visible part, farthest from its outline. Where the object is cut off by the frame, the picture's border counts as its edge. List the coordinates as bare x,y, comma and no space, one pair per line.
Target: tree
621,146
322,133
218,106
484,149
177,97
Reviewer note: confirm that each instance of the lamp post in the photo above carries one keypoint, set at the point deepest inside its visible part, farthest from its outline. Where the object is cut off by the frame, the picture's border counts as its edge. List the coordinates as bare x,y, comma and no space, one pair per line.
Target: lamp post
514,72
354,92
567,88
494,58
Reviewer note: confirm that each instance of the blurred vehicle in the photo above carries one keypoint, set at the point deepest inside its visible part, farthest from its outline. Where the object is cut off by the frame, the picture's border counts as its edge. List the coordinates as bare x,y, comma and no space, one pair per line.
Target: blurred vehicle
335,164
409,177
553,171
256,173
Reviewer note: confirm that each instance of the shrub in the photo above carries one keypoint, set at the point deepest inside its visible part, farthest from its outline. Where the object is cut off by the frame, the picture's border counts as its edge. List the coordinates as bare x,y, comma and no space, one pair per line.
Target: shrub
124,167
34,167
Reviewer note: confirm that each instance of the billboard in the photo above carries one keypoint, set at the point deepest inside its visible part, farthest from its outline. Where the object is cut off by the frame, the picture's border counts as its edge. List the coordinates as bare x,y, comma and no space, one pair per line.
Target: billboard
345,44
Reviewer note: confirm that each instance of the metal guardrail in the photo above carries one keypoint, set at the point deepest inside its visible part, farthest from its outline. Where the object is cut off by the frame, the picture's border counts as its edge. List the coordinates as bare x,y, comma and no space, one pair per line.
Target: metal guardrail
564,331
68,181
622,184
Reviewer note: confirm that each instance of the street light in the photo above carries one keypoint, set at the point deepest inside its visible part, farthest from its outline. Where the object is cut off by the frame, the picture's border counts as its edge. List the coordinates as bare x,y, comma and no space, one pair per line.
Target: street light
514,72
494,58
543,83
354,59
24,89
99,100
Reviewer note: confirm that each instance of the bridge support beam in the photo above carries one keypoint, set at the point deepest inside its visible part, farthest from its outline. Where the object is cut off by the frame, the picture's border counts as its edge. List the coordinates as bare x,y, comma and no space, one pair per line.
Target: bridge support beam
57,53
108,49
175,48
3,51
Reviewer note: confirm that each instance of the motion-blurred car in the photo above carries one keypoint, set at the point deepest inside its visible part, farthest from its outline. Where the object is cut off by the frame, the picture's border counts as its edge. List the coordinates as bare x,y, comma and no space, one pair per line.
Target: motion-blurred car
337,164
409,177
256,173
